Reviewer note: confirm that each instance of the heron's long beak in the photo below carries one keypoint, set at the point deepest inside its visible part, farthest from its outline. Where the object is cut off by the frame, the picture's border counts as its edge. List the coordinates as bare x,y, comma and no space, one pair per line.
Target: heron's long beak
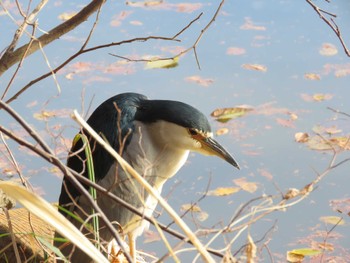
212,147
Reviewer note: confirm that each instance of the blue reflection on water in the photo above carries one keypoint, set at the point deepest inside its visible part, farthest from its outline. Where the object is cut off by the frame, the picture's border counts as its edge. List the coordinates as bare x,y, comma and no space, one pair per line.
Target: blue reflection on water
288,46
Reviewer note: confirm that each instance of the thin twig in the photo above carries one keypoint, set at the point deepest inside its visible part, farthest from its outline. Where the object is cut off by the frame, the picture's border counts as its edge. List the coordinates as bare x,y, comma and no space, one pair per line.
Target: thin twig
338,111
193,47
79,53
10,58
331,24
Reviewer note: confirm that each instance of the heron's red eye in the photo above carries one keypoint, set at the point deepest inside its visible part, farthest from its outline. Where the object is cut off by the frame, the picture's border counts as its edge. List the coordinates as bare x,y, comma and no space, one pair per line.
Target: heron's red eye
193,132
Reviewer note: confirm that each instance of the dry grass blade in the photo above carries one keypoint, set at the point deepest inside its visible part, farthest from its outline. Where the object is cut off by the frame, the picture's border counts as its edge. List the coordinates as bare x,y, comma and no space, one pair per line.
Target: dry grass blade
42,209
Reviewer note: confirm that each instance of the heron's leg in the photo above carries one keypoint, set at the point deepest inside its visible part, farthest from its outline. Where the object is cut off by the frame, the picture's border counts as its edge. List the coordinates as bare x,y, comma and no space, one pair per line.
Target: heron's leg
132,246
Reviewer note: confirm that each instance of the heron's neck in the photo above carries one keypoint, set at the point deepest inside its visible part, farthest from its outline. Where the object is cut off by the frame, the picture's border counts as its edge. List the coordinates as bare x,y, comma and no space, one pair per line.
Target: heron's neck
152,157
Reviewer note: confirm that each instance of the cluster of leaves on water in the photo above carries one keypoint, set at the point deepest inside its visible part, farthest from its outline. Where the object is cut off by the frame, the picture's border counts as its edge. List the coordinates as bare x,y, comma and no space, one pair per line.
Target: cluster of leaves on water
324,139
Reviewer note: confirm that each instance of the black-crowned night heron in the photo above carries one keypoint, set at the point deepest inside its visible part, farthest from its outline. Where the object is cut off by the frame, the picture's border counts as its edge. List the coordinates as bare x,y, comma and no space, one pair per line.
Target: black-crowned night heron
158,136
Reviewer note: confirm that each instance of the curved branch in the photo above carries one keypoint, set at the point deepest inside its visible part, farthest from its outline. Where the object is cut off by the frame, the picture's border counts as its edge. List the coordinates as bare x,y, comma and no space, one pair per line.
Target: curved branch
10,58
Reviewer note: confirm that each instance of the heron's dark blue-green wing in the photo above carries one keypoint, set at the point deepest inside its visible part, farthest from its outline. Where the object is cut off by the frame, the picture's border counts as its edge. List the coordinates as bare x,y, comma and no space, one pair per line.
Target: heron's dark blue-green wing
113,120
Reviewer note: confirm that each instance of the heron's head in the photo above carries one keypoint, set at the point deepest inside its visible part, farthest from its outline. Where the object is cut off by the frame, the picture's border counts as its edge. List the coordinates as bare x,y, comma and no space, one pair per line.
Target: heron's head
181,126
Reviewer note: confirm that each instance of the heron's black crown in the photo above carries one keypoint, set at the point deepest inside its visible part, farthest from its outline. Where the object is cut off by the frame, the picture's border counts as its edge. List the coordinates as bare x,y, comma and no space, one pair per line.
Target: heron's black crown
172,111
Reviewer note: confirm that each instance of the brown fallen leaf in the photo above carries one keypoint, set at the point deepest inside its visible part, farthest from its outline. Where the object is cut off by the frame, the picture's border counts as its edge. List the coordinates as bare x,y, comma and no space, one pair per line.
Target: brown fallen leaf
332,220
297,255
294,258
223,191
328,49
250,187
325,246
340,70
221,131
191,207
44,115
162,63
225,114
205,82
312,76
301,137
342,142
256,67
265,173
249,25
321,97
332,130
316,97
235,51
202,216
117,19
285,123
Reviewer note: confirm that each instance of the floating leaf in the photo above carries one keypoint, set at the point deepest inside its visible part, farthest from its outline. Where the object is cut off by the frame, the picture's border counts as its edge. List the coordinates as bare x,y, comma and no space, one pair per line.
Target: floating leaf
202,216
285,123
226,114
249,25
312,76
265,173
323,144
221,131
191,207
340,70
332,130
332,220
294,258
319,144
342,142
256,67
199,80
326,246
321,97
301,137
163,63
250,187
44,115
143,3
235,51
328,49
293,116
316,97
136,23
222,191
306,251
117,19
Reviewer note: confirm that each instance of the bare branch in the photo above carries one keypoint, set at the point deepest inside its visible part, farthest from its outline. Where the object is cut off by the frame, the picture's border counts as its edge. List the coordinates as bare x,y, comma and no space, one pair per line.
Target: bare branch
28,20
193,47
80,52
9,58
331,23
